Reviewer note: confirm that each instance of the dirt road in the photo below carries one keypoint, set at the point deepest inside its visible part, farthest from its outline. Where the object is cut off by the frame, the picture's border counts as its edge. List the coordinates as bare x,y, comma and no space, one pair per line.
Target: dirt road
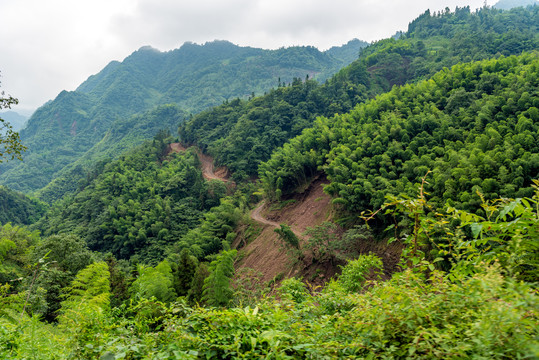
256,216
207,168
176,147
206,162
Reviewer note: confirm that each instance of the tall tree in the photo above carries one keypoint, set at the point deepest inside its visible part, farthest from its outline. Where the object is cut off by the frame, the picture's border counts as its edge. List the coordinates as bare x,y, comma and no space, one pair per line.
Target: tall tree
217,289
183,270
10,142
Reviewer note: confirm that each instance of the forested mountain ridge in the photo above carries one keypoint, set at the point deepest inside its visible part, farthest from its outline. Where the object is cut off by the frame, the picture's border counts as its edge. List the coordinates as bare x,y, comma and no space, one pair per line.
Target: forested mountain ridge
466,282
122,135
193,77
294,165
474,127
241,71
137,204
483,267
18,208
241,134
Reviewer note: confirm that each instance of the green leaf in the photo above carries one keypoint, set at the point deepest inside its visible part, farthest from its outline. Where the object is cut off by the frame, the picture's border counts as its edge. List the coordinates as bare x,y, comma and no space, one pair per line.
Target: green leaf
107,356
476,229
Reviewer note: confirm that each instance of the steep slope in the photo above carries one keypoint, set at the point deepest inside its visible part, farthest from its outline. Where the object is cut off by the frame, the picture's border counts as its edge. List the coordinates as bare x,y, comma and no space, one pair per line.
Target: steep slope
18,209
242,134
267,254
193,77
474,127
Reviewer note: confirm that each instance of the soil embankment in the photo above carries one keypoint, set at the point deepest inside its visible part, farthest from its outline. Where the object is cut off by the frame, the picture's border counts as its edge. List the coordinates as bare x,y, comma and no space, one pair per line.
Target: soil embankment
266,253
206,162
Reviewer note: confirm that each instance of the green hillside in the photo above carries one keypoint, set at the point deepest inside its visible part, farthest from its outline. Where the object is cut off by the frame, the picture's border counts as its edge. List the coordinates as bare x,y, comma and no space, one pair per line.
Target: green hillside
193,77
18,209
242,134
474,127
138,204
123,134
395,207
466,286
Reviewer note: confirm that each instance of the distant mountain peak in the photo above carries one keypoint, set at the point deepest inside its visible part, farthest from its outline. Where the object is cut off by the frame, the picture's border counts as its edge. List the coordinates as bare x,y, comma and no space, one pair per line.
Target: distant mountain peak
149,48
509,4
18,121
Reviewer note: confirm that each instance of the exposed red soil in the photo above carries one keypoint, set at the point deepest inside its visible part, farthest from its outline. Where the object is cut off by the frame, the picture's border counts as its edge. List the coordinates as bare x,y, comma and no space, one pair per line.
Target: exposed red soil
206,161
208,171
176,147
267,255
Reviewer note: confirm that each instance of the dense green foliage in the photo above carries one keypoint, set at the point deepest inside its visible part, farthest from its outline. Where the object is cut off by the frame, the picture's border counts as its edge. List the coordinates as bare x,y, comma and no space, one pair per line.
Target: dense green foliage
155,282
217,290
18,208
242,134
122,135
474,126
15,242
475,310
466,284
90,121
218,224
137,204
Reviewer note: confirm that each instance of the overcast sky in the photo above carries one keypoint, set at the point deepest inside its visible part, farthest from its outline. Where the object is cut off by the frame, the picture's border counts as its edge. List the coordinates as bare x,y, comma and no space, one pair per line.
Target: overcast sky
52,45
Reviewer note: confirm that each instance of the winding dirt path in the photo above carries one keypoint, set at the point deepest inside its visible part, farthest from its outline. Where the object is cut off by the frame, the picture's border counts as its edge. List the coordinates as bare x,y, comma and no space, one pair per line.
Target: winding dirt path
256,216
207,168
206,164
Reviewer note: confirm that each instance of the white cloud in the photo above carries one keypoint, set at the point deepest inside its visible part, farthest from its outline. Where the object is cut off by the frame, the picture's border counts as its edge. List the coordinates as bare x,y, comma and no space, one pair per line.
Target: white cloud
53,45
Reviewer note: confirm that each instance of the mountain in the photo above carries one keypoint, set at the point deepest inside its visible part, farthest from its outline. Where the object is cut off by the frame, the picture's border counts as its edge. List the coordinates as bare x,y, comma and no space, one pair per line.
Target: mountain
509,4
193,77
16,120
400,221
474,128
242,134
16,208
122,135
136,204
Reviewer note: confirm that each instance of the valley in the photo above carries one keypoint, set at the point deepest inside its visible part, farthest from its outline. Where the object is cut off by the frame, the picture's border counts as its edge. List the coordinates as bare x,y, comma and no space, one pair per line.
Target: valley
217,201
